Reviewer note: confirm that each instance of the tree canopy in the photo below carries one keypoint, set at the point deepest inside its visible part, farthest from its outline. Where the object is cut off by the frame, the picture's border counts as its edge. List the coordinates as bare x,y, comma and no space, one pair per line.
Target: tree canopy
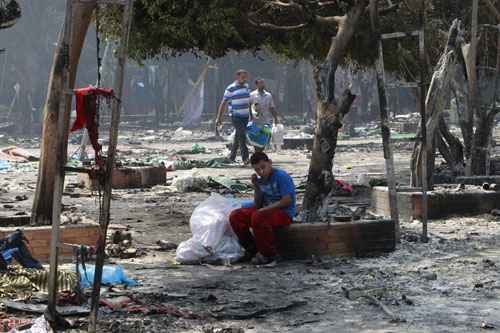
10,12
299,29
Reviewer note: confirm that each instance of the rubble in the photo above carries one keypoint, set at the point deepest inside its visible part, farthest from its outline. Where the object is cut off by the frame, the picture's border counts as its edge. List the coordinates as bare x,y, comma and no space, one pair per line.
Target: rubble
461,253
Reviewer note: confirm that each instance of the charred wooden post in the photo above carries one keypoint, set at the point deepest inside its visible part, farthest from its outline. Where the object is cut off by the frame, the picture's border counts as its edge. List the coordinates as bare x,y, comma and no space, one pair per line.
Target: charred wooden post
110,164
44,194
472,75
435,101
62,68
384,118
423,121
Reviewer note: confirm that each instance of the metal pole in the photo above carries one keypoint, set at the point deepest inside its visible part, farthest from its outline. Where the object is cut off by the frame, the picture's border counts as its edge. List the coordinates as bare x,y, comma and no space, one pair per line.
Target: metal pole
423,124
110,162
62,128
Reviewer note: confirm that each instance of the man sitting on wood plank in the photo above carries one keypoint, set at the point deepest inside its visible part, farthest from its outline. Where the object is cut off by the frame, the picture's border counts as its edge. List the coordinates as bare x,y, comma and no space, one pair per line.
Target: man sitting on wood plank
274,206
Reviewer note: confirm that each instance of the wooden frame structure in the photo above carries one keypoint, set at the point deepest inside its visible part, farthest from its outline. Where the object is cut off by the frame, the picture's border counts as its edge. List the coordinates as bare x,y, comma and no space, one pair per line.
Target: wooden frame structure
63,127
419,34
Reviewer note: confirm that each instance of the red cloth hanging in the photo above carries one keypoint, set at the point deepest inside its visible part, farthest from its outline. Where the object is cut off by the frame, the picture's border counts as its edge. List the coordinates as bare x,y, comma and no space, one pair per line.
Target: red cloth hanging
86,111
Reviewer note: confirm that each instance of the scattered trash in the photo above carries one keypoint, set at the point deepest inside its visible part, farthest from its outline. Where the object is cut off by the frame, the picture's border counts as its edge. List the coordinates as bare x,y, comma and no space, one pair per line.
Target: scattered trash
15,154
218,162
14,246
192,183
430,276
228,183
223,330
487,326
39,325
116,303
495,212
181,134
377,182
212,237
166,245
342,187
111,276
195,149
4,165
69,310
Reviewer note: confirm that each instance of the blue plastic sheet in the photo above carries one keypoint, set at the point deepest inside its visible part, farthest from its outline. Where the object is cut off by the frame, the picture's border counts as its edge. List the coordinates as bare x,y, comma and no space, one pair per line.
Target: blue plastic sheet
111,276
4,165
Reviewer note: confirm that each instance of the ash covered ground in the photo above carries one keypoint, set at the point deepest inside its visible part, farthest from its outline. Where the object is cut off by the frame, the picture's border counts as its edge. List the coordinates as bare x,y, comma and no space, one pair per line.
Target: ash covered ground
450,284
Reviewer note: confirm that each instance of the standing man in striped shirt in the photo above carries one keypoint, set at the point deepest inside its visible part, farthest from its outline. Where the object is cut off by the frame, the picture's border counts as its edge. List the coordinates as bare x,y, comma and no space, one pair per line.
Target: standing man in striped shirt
237,101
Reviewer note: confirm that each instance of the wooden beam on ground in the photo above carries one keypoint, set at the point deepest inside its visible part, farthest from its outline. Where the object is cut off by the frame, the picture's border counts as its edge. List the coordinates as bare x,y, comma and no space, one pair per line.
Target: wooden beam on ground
62,128
110,163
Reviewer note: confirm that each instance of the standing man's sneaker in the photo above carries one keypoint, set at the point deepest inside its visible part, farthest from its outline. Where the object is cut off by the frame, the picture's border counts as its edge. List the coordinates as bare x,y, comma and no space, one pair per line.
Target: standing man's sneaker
262,260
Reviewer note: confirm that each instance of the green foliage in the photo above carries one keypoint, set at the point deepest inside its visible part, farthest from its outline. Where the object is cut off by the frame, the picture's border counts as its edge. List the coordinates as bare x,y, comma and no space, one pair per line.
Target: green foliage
10,12
215,27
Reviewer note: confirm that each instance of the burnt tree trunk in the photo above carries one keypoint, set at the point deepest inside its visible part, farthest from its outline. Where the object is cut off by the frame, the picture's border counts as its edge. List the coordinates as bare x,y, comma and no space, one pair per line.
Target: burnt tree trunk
482,137
435,102
484,127
329,115
450,147
44,195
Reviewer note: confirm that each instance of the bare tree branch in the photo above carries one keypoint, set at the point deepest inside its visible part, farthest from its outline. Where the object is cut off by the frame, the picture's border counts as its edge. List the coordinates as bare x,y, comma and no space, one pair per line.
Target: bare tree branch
271,26
389,9
329,20
286,4
493,9
327,3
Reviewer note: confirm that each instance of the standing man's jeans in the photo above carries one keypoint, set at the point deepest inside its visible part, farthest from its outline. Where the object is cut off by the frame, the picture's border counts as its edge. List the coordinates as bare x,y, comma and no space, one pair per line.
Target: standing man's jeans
240,138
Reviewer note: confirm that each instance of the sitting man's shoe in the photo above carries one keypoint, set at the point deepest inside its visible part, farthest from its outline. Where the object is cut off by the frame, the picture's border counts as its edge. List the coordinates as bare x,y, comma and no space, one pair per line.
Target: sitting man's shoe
262,260
247,257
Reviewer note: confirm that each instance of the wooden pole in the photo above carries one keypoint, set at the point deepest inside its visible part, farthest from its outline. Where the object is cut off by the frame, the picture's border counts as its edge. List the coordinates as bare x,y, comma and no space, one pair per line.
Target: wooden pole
62,128
426,143
110,163
384,120
472,79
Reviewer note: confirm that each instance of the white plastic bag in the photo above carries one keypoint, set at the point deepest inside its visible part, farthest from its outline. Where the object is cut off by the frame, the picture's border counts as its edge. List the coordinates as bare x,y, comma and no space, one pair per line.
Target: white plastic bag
191,182
210,220
190,252
278,133
212,236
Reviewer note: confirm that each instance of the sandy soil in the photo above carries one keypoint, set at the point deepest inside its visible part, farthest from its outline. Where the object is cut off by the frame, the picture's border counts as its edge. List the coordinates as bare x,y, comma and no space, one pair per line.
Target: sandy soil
450,284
